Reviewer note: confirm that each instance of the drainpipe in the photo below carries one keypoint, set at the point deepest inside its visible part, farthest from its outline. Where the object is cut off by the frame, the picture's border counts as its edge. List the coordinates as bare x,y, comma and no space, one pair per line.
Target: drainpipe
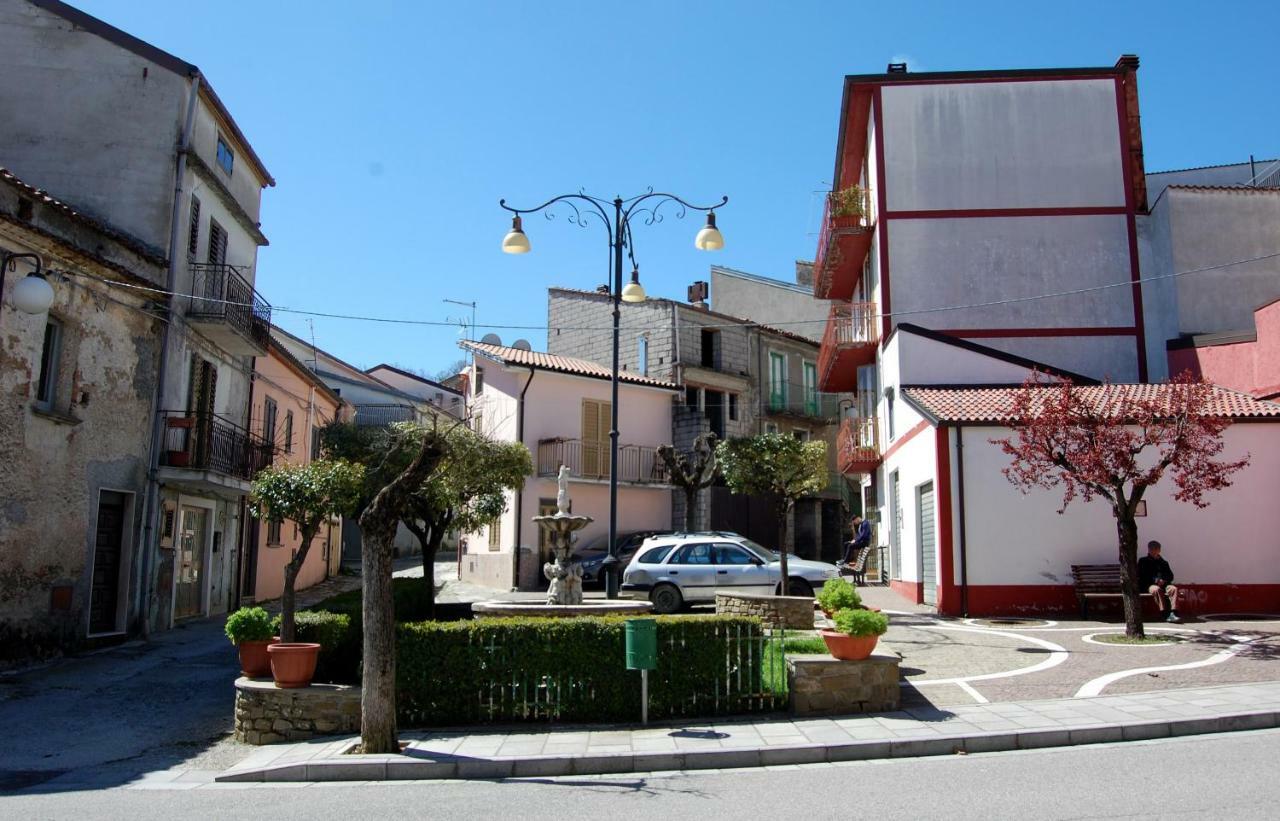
964,559
515,561
151,514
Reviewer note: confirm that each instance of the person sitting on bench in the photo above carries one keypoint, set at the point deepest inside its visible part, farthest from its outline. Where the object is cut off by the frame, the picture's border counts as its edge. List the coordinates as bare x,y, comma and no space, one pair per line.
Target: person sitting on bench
861,539
1156,577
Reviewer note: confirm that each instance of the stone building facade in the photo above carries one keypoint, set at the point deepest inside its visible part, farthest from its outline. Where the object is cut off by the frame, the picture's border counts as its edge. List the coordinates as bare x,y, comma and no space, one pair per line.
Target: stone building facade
737,378
77,384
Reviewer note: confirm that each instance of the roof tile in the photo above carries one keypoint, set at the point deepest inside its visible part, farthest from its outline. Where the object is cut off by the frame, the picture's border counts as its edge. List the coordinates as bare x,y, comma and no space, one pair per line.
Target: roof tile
961,404
562,364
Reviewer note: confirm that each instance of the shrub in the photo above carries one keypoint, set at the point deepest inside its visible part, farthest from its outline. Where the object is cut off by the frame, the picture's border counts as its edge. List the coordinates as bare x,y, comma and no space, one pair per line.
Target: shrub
249,624
538,669
339,659
838,594
410,602
849,202
861,622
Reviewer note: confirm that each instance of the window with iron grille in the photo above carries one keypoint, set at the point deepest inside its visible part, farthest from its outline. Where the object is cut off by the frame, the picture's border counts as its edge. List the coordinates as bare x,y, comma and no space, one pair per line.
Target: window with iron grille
226,157
288,431
315,443
273,531
193,228
269,420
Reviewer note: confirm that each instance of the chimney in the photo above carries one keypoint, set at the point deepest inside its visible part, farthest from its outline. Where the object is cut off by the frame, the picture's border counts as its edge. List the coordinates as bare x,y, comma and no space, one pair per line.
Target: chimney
1127,67
698,293
804,273
897,68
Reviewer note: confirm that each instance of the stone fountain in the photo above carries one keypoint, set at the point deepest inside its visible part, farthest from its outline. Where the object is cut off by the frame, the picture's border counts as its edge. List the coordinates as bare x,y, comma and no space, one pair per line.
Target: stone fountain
564,595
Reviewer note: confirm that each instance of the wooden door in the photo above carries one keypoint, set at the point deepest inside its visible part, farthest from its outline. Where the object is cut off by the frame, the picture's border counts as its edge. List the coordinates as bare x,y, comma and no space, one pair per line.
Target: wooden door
192,535
104,597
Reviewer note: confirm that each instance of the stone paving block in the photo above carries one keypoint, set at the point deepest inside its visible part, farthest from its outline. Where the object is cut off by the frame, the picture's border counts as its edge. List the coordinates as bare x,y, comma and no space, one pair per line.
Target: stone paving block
420,769
1255,721
354,770
656,761
485,768
591,764
1095,735
547,765
859,751
993,742
922,746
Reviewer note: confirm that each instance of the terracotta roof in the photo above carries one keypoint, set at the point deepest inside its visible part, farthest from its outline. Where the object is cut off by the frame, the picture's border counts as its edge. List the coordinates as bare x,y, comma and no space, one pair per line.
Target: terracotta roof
992,404
737,320
132,243
562,364
1204,167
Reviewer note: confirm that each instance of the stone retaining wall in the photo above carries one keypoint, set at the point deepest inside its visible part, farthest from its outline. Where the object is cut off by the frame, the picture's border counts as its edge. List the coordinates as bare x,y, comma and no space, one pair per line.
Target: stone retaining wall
791,612
822,685
266,714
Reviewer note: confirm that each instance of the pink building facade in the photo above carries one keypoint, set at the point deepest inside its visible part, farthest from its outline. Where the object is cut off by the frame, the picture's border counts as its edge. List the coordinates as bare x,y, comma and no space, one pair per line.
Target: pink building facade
290,406
1248,361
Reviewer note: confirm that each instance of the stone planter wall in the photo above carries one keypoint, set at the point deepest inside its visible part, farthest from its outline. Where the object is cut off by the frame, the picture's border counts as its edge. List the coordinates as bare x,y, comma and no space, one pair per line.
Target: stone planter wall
791,612
266,714
822,685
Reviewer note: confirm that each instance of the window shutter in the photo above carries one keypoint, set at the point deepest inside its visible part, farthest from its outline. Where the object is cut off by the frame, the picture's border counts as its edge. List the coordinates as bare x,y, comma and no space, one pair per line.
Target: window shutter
193,230
590,438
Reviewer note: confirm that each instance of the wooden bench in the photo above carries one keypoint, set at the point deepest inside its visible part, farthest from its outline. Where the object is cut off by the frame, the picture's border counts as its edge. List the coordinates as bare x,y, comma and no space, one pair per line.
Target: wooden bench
1097,581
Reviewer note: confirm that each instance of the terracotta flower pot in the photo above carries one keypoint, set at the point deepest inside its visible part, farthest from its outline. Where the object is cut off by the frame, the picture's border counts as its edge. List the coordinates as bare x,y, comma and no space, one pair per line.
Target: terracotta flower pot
293,663
254,661
851,221
848,648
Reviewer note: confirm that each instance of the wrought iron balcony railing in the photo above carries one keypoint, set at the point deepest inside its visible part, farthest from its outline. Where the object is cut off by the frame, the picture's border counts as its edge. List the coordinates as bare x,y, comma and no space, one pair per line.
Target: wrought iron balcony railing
206,441
637,464
849,342
798,399
220,295
858,445
843,243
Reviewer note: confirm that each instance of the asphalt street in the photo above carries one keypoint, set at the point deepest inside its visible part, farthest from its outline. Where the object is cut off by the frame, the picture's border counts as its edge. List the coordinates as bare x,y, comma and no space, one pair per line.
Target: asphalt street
1221,776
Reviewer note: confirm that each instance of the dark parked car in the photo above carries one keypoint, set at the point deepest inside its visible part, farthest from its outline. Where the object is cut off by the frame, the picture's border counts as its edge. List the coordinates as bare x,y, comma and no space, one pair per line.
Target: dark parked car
592,555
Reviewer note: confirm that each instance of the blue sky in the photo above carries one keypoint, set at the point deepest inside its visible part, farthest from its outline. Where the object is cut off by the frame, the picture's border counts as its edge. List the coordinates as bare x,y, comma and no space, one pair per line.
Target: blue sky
393,128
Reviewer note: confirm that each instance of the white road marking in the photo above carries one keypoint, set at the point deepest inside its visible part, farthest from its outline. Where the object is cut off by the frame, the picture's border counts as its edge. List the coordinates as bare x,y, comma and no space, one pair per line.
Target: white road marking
1048,624
1095,687
968,688
1057,655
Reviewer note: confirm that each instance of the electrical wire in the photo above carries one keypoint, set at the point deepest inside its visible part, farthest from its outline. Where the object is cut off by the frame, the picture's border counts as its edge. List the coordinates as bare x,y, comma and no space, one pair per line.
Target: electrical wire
747,323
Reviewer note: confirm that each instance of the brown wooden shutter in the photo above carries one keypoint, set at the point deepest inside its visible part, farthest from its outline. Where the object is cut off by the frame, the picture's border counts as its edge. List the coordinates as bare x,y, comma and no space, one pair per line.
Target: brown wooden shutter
193,229
596,420
217,244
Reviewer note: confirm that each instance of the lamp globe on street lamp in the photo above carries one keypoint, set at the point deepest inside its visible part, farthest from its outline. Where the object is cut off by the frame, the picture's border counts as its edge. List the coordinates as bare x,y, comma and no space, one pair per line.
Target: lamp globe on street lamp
515,242
33,294
633,291
709,238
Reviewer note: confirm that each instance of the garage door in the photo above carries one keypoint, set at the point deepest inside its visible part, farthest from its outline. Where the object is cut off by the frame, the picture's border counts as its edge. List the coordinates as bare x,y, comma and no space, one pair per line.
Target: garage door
928,553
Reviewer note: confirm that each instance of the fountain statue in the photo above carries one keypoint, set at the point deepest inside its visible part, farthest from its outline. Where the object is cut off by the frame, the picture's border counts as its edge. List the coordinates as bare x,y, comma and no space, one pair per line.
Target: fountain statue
565,578
564,596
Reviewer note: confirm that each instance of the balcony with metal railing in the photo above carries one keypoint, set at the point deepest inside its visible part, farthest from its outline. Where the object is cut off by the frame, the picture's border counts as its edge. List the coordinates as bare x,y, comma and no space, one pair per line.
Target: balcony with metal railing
207,443
227,309
858,445
849,342
637,464
843,243
799,400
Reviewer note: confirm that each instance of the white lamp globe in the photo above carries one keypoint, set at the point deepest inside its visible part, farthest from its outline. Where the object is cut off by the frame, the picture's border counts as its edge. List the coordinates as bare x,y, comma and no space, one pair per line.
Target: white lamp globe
709,238
633,292
515,242
33,294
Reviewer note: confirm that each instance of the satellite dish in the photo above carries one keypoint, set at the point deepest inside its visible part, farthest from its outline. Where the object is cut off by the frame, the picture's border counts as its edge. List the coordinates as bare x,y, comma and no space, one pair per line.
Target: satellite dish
522,345
491,339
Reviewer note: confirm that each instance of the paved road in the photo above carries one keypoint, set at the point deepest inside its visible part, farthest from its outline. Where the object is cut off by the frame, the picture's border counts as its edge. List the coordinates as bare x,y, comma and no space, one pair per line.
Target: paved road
1201,777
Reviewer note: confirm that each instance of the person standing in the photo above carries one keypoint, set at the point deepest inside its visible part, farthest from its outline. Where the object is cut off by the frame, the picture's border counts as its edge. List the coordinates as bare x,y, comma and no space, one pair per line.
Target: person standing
1156,577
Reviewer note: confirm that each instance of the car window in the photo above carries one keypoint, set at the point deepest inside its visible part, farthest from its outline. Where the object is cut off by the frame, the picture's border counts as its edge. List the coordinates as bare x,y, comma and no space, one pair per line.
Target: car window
656,555
761,549
693,554
732,554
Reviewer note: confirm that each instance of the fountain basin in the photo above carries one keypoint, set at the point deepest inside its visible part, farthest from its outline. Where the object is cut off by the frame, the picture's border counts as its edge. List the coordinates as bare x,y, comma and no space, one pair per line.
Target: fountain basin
601,607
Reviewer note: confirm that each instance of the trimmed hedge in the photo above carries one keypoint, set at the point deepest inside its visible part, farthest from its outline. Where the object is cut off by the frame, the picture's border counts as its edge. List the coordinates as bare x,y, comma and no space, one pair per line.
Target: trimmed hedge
410,603
537,669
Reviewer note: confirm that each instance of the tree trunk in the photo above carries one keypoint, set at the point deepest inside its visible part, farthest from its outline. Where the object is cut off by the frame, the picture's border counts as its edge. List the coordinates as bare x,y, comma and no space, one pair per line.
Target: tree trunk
378,524
288,599
429,539
1127,530
785,585
691,508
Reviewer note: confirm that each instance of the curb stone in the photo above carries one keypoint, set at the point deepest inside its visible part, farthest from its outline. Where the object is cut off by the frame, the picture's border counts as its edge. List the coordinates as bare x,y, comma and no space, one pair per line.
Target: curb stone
379,768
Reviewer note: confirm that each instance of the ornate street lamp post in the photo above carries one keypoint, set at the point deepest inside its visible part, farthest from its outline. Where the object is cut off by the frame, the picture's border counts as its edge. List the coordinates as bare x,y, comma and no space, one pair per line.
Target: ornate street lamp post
618,228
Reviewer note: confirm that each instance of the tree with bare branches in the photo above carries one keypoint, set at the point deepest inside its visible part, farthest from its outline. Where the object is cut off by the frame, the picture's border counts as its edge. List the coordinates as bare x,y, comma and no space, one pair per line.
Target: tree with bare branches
1114,442
691,472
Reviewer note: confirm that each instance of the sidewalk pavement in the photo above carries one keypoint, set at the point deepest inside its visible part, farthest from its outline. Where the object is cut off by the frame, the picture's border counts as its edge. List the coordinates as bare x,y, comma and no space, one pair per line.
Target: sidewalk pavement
974,728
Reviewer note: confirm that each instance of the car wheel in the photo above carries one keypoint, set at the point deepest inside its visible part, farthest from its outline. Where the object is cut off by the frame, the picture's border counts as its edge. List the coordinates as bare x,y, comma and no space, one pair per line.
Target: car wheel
666,598
797,587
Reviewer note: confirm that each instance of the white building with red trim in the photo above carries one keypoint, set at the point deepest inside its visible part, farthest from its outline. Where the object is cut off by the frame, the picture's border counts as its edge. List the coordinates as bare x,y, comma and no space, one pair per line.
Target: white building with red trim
985,225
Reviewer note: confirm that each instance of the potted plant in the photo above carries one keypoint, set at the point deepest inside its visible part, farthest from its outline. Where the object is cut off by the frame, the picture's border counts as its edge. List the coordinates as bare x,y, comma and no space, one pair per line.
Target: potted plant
249,628
293,663
856,635
848,207
836,595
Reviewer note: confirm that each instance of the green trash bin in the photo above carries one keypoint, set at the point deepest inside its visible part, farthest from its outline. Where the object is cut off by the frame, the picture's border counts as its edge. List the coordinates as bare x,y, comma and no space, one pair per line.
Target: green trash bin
642,644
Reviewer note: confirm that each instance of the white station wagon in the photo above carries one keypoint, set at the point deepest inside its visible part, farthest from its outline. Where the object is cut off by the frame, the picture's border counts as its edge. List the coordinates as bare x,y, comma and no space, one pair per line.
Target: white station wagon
671,571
